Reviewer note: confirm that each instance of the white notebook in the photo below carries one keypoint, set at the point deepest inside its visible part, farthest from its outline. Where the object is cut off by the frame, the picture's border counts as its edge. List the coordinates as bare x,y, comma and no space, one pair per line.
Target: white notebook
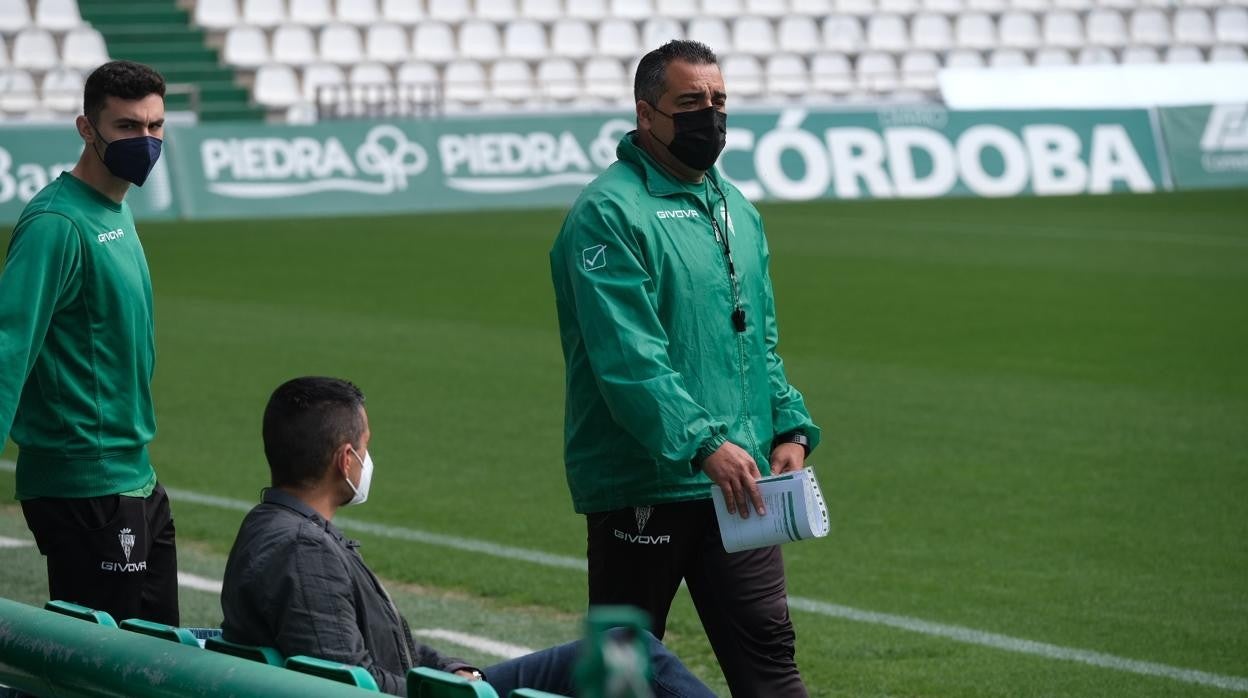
795,511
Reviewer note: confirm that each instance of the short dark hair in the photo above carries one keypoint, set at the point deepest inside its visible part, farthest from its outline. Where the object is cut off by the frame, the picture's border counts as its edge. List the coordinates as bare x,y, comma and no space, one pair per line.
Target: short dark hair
306,420
651,79
121,79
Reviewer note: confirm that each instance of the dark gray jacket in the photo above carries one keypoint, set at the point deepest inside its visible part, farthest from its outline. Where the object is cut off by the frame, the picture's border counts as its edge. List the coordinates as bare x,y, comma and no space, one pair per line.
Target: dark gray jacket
294,582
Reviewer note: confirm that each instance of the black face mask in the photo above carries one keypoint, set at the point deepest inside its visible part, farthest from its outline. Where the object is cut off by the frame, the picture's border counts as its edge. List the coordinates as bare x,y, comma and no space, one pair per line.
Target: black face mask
700,136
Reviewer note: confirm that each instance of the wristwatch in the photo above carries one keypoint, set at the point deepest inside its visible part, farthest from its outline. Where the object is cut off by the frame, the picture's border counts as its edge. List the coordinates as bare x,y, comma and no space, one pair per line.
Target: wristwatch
797,436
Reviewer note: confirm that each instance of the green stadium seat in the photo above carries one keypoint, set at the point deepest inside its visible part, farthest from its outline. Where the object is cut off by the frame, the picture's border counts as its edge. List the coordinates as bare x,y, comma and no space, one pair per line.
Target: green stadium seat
533,693
264,655
160,630
81,612
423,682
334,671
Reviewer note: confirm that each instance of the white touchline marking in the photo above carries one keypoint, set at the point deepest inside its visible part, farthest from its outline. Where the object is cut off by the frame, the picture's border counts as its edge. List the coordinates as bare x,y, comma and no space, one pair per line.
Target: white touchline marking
916,625
194,581
6,542
476,642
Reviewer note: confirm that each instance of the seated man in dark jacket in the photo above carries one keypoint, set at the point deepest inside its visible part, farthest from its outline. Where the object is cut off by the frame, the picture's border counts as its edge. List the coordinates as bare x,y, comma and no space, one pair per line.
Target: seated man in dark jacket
294,582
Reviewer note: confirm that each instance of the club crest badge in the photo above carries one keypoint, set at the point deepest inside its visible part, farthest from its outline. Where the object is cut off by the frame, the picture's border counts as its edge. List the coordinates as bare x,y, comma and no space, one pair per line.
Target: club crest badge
127,542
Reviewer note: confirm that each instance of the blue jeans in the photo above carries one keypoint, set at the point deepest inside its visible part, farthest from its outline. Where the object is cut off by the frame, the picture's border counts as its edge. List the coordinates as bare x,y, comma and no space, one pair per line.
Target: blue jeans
551,670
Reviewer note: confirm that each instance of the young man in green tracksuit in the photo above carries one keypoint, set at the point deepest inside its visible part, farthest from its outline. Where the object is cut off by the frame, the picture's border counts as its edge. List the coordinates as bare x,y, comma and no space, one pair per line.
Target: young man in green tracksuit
76,359
668,327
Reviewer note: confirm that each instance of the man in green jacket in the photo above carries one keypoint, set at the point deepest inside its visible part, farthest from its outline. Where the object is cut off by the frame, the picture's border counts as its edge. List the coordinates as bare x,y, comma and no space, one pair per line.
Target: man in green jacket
76,359
673,382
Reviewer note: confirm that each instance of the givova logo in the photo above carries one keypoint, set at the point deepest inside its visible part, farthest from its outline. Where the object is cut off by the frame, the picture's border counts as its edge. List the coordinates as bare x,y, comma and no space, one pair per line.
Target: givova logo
260,168
1225,140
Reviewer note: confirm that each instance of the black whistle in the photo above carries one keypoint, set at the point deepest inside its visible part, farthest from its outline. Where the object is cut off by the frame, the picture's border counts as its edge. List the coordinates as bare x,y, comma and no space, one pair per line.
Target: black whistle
738,320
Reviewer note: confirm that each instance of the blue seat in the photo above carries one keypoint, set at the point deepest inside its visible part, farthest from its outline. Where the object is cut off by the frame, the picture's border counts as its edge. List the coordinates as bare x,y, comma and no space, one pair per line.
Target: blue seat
73,610
334,671
423,682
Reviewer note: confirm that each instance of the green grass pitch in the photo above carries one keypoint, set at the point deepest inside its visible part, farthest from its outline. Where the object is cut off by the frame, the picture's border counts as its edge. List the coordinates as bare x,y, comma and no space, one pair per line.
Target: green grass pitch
1036,418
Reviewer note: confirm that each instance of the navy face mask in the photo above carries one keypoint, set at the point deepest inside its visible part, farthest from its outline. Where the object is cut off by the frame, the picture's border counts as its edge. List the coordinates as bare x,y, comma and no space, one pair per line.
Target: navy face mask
700,136
131,159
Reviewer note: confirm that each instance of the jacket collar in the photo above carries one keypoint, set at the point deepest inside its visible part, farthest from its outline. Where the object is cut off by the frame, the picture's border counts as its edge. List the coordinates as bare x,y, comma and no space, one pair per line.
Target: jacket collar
658,181
282,498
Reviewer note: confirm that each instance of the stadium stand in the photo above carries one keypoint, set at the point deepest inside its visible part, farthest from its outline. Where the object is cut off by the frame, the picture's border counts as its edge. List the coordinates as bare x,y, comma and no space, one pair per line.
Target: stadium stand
297,59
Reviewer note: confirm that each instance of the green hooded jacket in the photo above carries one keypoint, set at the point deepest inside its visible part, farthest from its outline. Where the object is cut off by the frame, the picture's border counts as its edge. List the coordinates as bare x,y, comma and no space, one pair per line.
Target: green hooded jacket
657,376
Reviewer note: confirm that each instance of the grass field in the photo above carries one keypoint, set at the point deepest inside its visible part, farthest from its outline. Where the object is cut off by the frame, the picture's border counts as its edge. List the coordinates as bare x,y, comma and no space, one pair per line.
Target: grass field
1035,415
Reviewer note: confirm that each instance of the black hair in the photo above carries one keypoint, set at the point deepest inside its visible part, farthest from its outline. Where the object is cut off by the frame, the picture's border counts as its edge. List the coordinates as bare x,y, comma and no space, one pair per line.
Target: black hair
305,422
651,80
121,79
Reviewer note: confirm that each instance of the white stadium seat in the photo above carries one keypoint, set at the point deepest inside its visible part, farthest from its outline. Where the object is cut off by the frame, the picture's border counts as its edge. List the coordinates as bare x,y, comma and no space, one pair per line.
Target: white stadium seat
313,13
318,76
418,79
677,9
931,32
743,76
1074,5
572,38
787,75
919,69
753,35
604,78
1106,28
1008,58
722,8
943,7
711,31
57,15
404,12
1228,54
899,7
1230,25
361,13
618,38
369,73
4,52
1063,29
511,80
657,31
525,38
387,43
264,13
1140,55
964,58
857,8
975,30
1192,26
1095,55
14,16
35,49
632,9
831,73
433,41
1033,6
246,47
992,7
1149,27
541,10
83,48
341,45
593,10
216,15
1184,54
479,40
559,78
887,33
62,90
841,33
497,10
464,81
798,34
294,45
1019,30
1052,56
450,11
877,72
17,91
810,8
766,8
277,86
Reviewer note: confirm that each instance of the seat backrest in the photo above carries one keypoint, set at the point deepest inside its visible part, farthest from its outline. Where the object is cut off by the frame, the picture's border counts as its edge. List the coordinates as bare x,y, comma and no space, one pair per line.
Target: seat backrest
711,31
743,74
799,34
1148,26
525,38
387,43
1230,24
405,12
334,671
294,45
57,15
433,41
319,75
464,81
632,9
276,86
449,10
1193,26
975,30
753,35
360,13
572,38
480,40
245,46
340,43
787,75
497,10
264,13
423,682
160,630
587,9
34,48
1019,30
604,77
1106,28
558,78
618,37
14,15
74,610
264,655
931,31
84,48
842,33
62,90
314,13
369,73
216,14
1063,28
541,10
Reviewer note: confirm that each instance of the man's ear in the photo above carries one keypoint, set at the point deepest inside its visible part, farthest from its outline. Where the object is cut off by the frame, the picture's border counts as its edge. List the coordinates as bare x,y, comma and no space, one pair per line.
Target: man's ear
645,113
85,129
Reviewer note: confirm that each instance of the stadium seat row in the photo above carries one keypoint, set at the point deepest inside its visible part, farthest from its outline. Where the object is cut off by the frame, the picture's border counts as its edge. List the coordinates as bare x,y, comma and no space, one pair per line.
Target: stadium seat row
59,91
439,42
35,49
55,15
222,14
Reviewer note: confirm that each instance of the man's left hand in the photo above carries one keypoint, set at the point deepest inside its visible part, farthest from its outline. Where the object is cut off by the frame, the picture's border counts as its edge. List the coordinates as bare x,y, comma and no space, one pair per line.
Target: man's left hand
787,458
469,674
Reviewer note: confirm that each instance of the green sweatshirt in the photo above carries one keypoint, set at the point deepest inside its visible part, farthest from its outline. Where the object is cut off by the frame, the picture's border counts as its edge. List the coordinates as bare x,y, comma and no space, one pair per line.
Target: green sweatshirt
657,375
76,346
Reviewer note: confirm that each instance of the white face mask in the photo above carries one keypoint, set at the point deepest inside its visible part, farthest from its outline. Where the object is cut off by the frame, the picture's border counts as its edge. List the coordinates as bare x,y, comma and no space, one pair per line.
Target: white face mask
366,478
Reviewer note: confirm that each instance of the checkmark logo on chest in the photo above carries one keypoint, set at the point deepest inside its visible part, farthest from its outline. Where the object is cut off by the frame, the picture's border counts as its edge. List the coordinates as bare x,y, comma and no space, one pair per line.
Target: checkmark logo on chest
594,257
